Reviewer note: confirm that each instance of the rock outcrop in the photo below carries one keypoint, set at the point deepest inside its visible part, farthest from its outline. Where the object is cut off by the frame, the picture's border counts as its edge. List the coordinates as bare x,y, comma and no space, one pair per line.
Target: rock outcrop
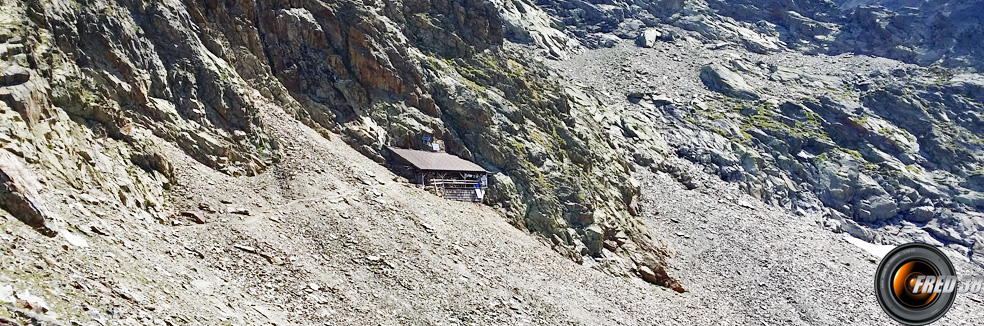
19,192
723,80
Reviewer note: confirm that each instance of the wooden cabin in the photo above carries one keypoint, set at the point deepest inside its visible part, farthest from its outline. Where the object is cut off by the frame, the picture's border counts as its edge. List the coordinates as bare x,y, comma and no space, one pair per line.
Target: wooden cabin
446,175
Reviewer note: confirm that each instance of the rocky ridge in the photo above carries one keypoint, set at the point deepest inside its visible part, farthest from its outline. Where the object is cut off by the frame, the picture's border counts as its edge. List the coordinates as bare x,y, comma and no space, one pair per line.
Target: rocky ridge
925,33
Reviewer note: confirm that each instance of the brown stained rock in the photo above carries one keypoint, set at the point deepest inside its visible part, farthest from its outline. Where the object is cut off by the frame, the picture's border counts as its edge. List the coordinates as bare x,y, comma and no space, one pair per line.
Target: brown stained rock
19,192
28,99
657,275
8,322
370,66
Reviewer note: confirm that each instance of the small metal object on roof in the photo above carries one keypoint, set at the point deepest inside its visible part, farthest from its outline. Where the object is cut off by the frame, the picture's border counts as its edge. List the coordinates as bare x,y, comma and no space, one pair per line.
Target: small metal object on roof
435,161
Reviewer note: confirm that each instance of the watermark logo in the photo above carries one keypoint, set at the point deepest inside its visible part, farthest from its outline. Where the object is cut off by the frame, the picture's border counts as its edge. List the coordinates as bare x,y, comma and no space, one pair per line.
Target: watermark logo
916,284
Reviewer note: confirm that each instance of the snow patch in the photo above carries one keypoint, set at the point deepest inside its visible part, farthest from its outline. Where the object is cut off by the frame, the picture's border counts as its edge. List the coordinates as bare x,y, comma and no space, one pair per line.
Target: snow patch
875,249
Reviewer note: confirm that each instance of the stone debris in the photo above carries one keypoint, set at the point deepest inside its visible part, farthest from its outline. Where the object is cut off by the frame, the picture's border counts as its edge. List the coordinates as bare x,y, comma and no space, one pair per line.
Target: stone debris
272,259
100,230
194,217
247,249
25,300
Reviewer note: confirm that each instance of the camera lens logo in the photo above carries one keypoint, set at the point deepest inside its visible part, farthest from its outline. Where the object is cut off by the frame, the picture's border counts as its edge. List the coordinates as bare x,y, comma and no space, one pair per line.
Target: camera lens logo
915,284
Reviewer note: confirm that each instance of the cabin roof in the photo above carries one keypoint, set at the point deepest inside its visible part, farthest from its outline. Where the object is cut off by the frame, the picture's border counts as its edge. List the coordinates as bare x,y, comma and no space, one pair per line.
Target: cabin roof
435,161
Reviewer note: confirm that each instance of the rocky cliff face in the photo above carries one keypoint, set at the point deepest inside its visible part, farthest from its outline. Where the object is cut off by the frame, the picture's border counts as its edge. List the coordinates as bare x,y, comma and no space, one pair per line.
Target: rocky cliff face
441,69
121,78
868,115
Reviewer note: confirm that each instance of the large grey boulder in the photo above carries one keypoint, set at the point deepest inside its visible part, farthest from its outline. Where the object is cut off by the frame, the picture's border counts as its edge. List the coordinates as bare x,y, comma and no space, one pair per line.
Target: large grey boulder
648,38
921,214
524,22
972,199
720,79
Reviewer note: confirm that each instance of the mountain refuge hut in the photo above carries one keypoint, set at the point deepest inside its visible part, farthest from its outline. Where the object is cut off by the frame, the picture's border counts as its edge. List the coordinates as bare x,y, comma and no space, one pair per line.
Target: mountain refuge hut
442,173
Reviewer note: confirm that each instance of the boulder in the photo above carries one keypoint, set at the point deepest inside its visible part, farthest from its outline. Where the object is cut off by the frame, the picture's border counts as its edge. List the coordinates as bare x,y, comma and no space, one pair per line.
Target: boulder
633,127
657,275
839,222
648,38
594,237
954,227
14,75
661,100
837,181
636,95
921,214
806,28
972,199
19,192
194,217
720,79
525,22
647,274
